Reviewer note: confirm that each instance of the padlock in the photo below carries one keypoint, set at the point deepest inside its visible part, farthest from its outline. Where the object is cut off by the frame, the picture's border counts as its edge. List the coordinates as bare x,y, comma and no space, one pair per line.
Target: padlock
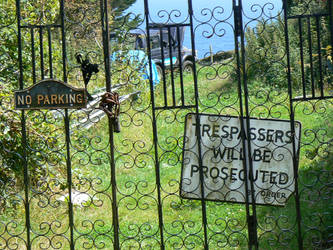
116,125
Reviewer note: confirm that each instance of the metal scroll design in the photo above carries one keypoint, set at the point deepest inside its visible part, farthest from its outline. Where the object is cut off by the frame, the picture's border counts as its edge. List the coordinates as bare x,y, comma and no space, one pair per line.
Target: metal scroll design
151,212
12,230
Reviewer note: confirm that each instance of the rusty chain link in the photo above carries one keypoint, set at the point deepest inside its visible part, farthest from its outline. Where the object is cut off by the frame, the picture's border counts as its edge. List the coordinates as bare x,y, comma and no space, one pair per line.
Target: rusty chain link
111,106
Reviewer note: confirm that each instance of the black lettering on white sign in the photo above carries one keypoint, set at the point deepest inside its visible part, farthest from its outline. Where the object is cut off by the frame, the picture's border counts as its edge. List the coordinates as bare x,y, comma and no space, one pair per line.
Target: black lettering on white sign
225,161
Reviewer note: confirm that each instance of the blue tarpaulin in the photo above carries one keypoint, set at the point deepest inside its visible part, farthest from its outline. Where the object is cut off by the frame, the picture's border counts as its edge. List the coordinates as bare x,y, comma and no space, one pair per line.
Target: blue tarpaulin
141,59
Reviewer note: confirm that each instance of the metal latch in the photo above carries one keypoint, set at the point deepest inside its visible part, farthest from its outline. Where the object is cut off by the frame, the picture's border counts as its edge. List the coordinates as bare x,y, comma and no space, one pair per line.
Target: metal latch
111,106
87,69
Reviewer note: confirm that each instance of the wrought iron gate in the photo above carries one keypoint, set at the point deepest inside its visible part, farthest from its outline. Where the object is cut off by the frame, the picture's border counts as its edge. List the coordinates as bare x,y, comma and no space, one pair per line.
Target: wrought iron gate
69,180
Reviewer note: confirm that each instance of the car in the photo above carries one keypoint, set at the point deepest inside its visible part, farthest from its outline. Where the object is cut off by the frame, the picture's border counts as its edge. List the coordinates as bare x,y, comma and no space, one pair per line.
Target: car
167,49
135,58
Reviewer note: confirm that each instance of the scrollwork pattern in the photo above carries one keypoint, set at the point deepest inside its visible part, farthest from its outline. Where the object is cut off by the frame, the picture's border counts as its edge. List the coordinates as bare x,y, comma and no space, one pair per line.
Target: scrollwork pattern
80,170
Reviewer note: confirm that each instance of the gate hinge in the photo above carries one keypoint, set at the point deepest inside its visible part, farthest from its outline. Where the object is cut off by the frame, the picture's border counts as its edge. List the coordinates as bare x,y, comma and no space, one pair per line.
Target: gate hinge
252,227
238,20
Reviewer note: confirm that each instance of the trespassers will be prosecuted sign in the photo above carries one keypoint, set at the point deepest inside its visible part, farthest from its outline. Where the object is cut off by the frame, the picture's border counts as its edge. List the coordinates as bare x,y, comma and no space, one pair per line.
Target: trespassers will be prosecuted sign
224,156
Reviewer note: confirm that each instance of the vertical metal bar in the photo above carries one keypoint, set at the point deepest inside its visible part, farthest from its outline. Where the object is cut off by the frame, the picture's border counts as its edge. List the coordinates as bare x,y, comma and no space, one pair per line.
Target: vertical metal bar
311,58
33,55
321,83
180,67
252,221
63,34
50,51
330,11
41,52
19,42
196,91
69,179
26,178
67,131
154,125
292,127
171,68
300,30
107,64
106,45
240,96
23,130
163,69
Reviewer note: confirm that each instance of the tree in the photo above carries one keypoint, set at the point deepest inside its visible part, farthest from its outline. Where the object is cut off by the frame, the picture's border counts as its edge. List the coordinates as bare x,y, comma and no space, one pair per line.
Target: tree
119,6
40,134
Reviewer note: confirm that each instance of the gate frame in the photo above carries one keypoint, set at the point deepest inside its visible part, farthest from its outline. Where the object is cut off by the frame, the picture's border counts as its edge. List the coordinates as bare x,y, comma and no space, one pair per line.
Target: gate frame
243,95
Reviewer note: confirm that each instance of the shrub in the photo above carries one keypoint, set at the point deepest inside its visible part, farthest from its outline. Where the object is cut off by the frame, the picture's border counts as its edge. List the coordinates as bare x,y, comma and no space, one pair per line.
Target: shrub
266,54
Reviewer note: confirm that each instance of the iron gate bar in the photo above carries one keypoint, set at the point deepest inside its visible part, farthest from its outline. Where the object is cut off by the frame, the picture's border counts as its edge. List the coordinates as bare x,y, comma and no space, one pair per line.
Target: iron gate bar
311,59
155,136
247,160
175,107
321,83
309,15
49,37
292,119
41,51
35,26
160,26
63,36
180,68
69,179
165,92
67,129
317,21
330,13
241,111
301,54
196,92
23,130
171,68
309,98
33,56
107,64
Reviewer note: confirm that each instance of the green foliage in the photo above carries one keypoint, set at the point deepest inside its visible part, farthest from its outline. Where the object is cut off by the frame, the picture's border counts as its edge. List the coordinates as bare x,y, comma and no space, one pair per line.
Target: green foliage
300,7
266,53
121,5
41,153
16,155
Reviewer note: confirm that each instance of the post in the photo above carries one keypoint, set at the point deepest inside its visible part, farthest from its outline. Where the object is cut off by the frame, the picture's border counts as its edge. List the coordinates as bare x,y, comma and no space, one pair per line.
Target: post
211,54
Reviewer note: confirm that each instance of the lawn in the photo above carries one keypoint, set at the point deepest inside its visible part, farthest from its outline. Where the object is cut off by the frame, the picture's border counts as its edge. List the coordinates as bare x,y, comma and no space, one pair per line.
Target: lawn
142,203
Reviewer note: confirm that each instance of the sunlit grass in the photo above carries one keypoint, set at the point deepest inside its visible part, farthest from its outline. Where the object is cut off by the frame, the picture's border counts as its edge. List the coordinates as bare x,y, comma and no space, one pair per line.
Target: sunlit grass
137,182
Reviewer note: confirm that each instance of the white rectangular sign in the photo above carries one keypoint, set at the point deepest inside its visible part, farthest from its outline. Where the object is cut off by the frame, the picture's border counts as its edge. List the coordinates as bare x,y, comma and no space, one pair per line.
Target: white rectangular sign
224,157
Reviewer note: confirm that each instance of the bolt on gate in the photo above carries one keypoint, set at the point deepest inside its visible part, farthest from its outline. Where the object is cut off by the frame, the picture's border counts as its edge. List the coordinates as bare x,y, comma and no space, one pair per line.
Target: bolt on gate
217,151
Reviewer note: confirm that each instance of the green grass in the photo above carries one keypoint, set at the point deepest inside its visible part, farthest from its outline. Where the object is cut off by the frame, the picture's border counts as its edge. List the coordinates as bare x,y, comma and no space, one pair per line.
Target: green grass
137,191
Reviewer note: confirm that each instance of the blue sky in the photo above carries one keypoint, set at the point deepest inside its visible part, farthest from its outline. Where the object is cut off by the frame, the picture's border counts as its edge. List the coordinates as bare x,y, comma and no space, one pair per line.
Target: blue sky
252,8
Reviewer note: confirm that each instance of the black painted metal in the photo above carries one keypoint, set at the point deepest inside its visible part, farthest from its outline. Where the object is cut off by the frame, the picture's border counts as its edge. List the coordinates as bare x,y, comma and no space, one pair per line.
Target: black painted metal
174,101
155,137
198,126
240,87
251,216
23,130
292,100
